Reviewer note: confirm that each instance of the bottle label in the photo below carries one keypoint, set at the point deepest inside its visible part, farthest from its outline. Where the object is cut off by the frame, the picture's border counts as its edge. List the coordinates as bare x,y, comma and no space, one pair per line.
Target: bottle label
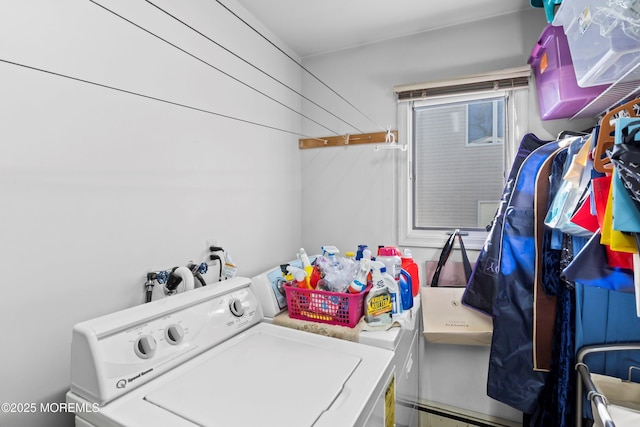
395,308
229,271
379,304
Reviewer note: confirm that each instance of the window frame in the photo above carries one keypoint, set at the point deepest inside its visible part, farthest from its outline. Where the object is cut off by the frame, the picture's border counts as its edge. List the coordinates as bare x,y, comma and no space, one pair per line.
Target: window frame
434,237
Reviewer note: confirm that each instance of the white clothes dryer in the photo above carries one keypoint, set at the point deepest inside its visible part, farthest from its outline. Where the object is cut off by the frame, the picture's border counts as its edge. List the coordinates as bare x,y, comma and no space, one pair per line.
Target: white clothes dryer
207,358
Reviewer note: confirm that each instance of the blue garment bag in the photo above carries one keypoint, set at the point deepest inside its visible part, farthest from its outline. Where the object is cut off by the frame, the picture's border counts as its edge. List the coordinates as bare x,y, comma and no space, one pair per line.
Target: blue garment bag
483,283
511,378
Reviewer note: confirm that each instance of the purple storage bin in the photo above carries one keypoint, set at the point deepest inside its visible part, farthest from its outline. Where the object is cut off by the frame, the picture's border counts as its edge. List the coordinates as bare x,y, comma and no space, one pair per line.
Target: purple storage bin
559,96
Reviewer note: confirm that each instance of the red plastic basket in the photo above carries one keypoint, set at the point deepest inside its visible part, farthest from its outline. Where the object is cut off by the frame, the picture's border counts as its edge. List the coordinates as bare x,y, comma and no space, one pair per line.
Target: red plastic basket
335,308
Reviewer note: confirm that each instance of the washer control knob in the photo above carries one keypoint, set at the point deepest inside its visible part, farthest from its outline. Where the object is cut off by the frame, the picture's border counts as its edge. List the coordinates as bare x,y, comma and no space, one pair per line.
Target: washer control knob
145,346
236,307
174,334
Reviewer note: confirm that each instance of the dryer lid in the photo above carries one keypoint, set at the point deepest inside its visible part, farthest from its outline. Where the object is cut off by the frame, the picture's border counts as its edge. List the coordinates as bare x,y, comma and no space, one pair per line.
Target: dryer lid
261,380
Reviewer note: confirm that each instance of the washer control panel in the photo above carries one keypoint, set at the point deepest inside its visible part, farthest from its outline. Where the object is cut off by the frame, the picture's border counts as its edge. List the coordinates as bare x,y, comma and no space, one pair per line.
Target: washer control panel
115,353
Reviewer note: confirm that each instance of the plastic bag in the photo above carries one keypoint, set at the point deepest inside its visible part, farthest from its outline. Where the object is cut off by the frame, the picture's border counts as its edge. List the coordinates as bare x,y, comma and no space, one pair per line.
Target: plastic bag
337,273
623,14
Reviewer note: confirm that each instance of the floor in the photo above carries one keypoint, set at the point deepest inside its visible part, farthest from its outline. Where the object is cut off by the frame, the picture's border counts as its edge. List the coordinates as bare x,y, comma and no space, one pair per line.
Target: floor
431,420
438,415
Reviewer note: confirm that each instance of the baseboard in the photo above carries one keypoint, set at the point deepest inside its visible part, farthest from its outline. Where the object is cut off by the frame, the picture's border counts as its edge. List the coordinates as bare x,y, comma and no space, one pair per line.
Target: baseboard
463,415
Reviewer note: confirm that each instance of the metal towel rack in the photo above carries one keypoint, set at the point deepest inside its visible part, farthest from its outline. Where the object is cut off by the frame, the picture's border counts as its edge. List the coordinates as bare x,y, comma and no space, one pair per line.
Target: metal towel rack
584,378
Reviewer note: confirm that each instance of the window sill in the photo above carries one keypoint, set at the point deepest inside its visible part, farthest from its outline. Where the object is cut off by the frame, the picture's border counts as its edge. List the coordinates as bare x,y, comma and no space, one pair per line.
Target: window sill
436,239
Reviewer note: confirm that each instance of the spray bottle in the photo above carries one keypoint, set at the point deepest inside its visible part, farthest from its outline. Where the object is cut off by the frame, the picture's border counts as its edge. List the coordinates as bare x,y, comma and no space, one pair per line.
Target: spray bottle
306,266
284,269
359,283
378,304
360,252
330,252
300,276
366,254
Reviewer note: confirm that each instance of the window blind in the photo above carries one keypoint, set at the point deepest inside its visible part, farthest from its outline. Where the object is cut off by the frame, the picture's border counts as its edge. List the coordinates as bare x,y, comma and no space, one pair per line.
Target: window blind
510,78
447,191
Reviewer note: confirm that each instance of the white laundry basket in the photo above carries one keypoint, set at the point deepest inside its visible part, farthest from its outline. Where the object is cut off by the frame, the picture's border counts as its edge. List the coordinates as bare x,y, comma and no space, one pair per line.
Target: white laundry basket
614,402
622,401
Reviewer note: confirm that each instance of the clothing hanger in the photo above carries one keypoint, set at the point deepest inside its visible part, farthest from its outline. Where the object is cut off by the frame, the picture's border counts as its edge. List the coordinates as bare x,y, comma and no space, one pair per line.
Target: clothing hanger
390,142
601,161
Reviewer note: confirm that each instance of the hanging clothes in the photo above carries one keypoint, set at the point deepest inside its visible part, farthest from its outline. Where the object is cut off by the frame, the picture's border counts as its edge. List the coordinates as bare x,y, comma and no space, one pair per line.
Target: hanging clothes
540,316
546,263
556,404
601,187
591,268
482,285
553,196
625,156
574,185
602,315
512,379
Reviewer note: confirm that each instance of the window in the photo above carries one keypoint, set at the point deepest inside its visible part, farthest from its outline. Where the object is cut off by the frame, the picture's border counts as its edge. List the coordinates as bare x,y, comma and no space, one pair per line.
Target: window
485,122
453,176
458,160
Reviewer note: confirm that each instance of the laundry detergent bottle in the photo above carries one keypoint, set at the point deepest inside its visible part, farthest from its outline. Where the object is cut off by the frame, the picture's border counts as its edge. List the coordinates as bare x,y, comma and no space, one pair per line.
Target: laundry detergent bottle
410,266
378,306
406,296
390,257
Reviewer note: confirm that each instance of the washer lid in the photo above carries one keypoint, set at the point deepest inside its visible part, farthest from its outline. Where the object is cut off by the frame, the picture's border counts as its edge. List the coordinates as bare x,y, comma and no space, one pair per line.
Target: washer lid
251,382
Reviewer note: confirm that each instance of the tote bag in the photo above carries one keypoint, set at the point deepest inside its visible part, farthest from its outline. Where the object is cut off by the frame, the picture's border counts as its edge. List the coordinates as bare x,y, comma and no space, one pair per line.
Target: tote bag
445,319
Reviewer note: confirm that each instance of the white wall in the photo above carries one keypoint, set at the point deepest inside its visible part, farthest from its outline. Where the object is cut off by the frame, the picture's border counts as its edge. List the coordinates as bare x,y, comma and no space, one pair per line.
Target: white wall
349,192
100,186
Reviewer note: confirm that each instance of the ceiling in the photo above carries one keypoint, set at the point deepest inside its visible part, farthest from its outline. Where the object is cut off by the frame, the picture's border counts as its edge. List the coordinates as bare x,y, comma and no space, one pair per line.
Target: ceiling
311,27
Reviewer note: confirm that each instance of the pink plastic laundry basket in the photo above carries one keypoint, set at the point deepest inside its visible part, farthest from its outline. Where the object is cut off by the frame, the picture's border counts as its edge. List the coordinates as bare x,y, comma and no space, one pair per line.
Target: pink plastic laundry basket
335,308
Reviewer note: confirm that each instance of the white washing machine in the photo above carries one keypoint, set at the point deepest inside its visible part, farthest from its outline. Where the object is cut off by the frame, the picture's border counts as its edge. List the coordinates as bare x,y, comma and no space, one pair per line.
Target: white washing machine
207,358
402,341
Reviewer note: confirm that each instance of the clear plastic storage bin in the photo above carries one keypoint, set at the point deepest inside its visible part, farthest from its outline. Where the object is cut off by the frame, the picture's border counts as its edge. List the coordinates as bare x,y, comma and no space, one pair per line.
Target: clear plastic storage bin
559,95
604,39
